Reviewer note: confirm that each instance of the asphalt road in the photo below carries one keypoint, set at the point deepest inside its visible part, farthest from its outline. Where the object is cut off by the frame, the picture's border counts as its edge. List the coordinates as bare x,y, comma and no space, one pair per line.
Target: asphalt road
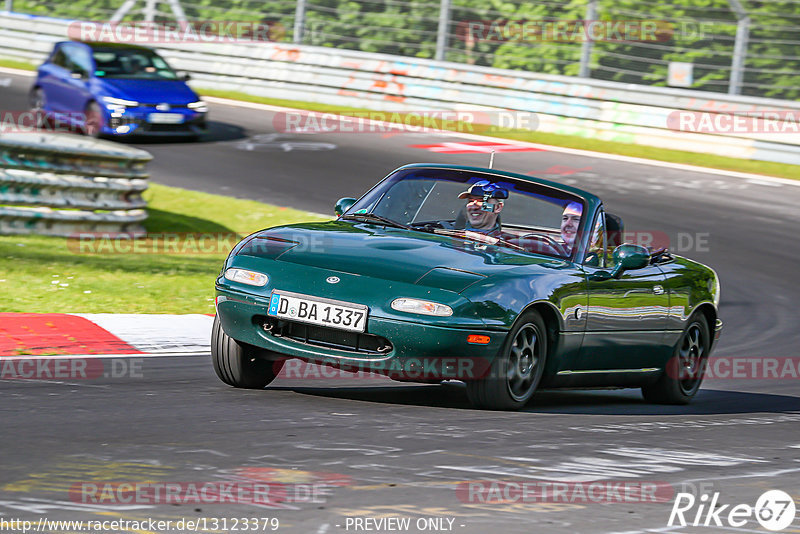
342,450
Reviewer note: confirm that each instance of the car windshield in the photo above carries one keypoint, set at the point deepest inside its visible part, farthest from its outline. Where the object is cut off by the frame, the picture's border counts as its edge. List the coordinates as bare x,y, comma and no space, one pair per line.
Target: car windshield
131,63
463,203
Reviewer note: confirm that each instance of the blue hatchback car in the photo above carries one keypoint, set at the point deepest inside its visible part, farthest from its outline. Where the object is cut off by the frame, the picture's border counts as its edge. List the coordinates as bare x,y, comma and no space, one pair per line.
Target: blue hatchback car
116,90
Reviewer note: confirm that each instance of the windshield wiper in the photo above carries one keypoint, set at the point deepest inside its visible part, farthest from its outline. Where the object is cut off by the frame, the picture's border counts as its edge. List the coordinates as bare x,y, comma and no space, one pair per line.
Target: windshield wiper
372,217
477,236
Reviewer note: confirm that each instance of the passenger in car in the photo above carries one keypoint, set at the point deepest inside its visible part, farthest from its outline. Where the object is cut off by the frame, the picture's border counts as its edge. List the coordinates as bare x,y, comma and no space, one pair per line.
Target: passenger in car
570,220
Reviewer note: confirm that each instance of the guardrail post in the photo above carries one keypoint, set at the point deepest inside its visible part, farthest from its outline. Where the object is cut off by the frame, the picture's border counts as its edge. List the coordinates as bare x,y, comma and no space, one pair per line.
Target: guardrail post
441,35
585,70
299,21
150,10
739,54
739,47
177,10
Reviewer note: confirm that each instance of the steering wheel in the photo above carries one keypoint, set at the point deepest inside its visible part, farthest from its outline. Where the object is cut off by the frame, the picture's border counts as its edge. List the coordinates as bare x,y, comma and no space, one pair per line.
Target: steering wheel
427,225
547,240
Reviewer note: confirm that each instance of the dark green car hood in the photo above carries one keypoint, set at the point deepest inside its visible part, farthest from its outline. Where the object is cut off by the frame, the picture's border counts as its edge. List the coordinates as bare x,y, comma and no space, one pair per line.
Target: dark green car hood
393,254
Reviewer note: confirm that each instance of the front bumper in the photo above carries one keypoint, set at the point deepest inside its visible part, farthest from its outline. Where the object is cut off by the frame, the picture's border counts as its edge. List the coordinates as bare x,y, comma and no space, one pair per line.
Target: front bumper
418,350
136,121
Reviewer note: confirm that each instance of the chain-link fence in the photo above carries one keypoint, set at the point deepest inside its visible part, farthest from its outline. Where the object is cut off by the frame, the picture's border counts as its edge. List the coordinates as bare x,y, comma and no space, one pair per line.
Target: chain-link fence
744,47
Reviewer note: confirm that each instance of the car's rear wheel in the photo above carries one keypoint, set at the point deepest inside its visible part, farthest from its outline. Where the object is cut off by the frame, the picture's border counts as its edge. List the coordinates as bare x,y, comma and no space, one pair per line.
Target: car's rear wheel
516,371
93,122
240,365
685,369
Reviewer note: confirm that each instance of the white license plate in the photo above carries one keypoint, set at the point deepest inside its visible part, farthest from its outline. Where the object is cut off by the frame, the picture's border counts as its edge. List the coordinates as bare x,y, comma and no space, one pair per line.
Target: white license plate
165,118
318,311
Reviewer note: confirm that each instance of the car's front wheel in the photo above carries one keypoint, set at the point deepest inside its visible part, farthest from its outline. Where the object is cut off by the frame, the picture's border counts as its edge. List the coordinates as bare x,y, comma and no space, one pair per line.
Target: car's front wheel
516,371
685,369
240,365
37,104
93,120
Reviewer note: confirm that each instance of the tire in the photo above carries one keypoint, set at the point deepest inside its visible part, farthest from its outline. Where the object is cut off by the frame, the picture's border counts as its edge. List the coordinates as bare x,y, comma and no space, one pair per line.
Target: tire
517,370
240,365
685,369
38,102
93,121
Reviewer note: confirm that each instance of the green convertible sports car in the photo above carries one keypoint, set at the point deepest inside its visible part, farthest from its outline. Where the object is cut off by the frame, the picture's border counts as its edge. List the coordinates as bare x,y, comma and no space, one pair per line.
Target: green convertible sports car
442,272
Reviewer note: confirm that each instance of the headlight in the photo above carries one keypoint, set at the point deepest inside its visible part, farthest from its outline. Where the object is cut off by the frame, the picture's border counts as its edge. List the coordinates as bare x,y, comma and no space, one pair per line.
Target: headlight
421,306
199,106
119,102
250,278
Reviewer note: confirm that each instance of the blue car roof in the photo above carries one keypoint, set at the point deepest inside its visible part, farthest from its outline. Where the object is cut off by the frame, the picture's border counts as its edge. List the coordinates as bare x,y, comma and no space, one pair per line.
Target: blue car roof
101,44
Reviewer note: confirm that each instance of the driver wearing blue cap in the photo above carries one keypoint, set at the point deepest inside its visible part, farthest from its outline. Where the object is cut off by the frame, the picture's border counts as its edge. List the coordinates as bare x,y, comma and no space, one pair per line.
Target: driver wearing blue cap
484,204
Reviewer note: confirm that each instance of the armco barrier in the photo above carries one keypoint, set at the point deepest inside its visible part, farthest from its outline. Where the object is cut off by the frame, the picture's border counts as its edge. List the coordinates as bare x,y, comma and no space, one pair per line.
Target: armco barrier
564,105
27,188
62,184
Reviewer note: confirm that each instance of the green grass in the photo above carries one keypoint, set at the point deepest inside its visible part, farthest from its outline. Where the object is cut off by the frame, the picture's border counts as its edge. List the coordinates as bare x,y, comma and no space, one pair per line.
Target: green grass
16,64
35,267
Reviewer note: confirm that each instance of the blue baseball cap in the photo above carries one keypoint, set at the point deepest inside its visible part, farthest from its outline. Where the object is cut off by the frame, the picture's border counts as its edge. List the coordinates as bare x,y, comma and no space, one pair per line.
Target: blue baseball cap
485,189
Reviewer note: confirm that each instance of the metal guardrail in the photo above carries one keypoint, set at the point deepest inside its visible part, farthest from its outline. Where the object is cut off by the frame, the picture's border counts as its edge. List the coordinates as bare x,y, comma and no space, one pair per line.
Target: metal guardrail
71,154
564,105
62,184
26,188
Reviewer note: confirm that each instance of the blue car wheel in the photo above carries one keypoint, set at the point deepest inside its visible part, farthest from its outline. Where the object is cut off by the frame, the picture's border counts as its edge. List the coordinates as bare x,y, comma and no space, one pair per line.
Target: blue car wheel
93,121
38,102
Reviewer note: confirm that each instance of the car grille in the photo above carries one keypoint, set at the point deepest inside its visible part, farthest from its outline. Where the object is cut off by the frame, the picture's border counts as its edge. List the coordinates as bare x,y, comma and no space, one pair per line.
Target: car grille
327,337
171,106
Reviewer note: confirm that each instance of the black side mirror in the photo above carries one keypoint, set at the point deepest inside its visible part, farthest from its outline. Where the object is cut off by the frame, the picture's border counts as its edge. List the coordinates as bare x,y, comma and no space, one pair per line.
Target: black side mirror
342,205
629,257
185,76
